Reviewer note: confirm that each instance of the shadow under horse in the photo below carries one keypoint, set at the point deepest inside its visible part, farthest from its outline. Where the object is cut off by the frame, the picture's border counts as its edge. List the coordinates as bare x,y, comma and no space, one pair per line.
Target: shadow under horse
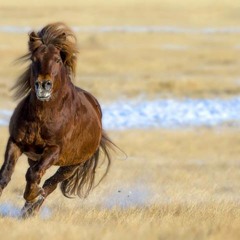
55,123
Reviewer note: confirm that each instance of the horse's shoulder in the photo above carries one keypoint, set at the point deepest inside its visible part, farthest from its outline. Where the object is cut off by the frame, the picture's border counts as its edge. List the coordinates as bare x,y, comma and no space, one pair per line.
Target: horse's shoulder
20,111
94,102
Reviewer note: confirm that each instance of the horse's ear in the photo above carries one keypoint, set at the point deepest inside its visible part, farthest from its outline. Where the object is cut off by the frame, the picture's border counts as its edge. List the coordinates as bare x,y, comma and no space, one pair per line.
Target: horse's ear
63,36
34,41
33,37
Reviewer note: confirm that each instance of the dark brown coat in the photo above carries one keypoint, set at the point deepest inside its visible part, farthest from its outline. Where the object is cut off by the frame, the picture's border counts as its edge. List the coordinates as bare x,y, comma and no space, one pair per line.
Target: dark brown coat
56,123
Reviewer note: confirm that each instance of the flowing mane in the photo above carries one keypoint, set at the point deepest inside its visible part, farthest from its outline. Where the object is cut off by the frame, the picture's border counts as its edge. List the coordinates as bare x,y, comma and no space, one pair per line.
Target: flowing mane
57,34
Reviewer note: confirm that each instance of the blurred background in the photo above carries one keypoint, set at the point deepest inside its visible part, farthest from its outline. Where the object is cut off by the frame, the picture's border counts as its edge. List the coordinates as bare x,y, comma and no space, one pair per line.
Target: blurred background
139,53
167,75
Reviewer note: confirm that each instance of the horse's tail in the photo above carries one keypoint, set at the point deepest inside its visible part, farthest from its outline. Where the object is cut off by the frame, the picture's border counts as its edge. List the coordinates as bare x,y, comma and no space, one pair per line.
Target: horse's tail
82,181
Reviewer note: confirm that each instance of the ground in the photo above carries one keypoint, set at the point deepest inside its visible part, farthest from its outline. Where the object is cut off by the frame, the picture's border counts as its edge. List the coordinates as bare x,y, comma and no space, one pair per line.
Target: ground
175,183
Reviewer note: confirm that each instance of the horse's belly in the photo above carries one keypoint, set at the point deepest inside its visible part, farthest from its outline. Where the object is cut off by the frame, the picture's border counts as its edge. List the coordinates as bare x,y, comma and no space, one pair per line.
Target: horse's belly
33,156
72,159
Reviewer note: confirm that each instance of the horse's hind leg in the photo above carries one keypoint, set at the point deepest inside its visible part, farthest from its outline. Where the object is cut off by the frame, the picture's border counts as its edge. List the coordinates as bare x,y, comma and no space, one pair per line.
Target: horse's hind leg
63,173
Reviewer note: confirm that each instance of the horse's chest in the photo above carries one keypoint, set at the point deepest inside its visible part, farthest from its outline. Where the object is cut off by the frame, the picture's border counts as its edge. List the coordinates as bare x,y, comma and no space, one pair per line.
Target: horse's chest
27,133
29,138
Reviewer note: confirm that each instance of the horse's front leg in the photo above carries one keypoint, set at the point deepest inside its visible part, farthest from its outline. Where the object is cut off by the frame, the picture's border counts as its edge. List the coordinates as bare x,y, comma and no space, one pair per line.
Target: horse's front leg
31,208
36,171
12,154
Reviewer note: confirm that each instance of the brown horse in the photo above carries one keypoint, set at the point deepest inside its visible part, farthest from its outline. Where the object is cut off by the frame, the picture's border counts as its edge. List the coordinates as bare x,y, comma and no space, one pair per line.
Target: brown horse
55,123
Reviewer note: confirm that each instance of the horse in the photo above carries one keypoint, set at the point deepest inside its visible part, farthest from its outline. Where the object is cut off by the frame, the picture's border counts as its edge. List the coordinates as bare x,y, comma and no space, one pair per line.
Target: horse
55,123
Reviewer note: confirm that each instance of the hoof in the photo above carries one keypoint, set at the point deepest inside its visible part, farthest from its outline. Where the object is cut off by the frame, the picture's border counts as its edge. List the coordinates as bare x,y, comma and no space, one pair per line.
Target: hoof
30,209
31,193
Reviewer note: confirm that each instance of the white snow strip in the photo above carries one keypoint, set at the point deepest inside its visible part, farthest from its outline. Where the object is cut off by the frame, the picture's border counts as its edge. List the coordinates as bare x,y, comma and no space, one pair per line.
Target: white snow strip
134,29
170,113
164,113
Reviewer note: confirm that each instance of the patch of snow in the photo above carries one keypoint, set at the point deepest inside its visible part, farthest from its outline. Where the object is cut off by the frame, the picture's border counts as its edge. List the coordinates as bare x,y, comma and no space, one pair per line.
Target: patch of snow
11,210
170,113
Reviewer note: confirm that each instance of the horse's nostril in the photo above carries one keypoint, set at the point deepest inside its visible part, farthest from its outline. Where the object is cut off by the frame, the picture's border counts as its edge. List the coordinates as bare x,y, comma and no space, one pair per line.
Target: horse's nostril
47,85
36,85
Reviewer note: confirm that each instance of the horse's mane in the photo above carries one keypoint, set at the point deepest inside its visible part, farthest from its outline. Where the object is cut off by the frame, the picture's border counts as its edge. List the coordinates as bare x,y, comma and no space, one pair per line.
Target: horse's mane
57,34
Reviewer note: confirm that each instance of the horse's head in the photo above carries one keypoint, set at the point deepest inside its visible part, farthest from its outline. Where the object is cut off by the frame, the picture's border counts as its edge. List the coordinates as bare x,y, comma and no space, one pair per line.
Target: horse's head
53,54
47,63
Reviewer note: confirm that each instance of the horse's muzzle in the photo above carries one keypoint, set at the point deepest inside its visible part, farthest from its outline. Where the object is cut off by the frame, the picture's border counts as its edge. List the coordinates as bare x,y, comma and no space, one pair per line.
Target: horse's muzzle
43,90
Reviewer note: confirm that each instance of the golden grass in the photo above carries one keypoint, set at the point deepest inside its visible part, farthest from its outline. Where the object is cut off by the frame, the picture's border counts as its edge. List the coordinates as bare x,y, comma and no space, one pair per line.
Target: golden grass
116,12
213,221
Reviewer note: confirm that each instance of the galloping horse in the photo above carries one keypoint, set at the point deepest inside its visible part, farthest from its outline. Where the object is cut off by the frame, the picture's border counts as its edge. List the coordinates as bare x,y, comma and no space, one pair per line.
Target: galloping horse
55,123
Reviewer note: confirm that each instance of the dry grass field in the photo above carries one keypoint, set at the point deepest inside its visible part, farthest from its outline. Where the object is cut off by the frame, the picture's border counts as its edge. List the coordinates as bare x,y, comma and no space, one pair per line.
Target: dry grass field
175,184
